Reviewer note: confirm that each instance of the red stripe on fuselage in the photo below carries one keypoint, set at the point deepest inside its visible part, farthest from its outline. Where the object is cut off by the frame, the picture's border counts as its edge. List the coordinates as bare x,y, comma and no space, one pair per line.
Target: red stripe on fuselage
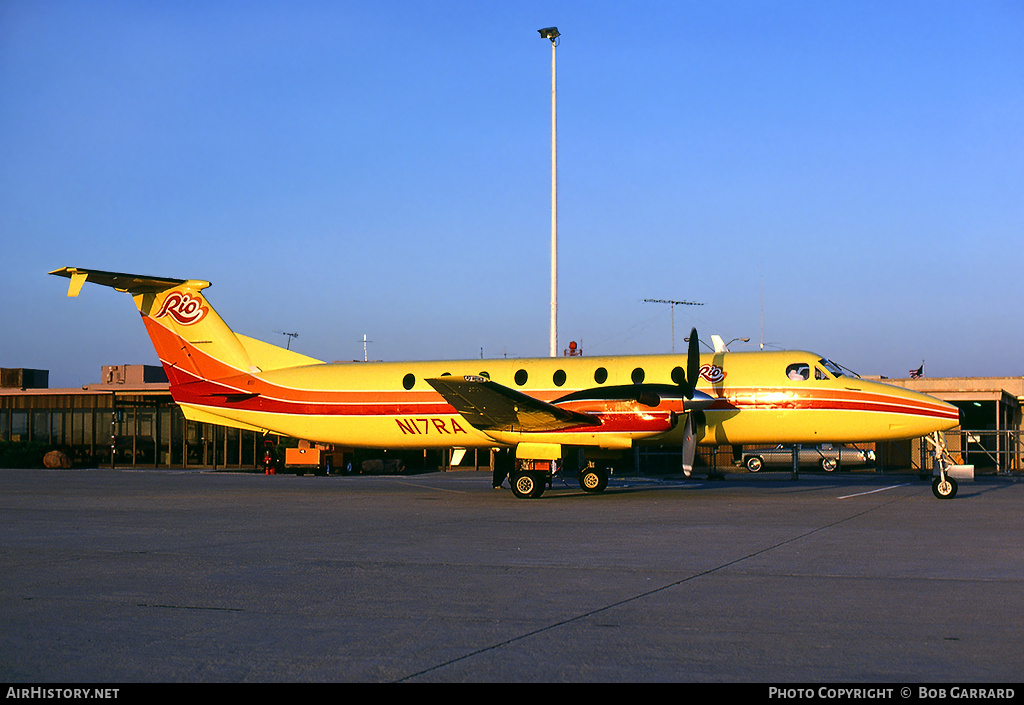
240,390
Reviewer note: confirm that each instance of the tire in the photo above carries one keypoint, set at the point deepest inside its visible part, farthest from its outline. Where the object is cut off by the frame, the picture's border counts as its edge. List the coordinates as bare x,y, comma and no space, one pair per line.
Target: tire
541,480
944,489
829,464
527,485
593,480
754,463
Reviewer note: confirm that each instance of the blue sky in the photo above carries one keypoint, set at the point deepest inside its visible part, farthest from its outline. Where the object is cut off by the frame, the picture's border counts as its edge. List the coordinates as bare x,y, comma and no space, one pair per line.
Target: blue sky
851,173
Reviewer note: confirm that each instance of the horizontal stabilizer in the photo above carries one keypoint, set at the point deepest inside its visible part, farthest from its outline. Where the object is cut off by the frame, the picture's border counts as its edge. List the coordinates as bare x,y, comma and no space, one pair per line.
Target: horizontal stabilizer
132,283
489,406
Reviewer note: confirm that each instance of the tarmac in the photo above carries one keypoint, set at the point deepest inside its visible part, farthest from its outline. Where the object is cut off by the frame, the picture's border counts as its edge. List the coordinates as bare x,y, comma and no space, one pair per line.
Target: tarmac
164,576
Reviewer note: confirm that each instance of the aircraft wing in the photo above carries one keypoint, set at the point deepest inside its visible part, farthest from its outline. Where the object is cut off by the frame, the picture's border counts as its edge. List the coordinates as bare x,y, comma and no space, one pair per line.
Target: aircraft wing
489,406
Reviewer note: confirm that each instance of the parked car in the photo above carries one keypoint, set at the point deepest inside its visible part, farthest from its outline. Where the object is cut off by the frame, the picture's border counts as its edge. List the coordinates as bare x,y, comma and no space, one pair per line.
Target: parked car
825,456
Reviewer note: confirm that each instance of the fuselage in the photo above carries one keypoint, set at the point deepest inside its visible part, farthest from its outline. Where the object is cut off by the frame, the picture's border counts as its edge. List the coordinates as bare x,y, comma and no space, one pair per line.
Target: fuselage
759,397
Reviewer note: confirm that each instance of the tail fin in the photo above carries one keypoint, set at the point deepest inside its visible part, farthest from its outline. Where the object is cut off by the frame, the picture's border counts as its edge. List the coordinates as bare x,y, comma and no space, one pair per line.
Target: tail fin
192,341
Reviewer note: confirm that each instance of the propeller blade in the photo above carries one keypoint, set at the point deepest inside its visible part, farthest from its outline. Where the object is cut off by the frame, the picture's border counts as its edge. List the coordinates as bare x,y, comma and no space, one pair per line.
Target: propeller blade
695,419
692,364
689,445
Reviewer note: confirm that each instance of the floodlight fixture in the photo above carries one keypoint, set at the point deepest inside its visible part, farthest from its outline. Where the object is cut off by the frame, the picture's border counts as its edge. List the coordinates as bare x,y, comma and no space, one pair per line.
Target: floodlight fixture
549,33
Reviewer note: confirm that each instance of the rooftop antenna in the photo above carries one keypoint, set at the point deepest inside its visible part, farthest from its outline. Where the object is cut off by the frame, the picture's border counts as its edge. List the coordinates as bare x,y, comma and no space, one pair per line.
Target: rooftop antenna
673,304
762,304
290,336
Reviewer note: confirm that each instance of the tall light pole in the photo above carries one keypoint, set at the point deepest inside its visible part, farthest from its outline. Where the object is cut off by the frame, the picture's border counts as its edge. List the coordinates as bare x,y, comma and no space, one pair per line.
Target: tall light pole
552,34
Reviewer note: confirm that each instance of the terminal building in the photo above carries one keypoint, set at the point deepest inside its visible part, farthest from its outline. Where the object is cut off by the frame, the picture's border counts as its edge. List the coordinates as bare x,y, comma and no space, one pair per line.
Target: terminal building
126,420
129,419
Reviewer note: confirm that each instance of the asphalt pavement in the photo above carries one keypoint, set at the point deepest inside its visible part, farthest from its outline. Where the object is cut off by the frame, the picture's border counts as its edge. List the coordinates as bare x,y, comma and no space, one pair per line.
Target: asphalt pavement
163,576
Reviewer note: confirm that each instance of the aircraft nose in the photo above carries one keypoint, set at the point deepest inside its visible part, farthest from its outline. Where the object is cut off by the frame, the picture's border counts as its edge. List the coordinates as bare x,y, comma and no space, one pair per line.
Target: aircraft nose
953,415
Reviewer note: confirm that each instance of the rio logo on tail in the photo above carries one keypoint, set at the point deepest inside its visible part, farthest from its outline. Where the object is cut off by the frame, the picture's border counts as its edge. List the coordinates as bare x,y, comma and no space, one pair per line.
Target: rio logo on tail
183,308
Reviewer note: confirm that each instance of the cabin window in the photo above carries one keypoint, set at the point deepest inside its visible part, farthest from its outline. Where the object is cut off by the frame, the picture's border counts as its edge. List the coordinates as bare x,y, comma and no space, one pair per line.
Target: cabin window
638,375
559,378
799,371
409,381
521,377
600,375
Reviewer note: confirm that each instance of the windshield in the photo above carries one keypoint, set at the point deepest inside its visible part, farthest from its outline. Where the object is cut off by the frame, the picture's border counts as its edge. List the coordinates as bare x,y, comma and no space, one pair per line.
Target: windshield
837,370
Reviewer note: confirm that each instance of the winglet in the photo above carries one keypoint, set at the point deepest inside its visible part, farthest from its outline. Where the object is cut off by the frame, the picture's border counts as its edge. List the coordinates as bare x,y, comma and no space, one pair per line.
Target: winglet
77,280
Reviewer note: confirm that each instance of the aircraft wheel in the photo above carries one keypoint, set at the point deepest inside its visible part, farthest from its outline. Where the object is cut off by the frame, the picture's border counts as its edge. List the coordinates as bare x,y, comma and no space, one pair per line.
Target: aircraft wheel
828,464
528,485
754,463
944,489
593,480
540,480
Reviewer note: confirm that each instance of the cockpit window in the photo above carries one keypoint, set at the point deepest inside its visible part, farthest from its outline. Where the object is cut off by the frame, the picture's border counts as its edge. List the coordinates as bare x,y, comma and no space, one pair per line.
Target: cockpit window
833,368
799,371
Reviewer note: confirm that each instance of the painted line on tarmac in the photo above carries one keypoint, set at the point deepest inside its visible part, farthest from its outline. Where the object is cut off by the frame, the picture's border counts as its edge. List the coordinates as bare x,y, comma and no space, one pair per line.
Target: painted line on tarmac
881,489
429,487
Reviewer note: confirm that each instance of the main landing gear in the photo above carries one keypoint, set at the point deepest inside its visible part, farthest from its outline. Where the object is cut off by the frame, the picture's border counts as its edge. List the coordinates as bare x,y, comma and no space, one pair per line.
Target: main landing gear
593,479
529,483
530,478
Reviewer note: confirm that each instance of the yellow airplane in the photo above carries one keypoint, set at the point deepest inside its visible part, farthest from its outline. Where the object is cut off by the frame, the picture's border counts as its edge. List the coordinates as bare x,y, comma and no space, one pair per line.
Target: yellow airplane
535,411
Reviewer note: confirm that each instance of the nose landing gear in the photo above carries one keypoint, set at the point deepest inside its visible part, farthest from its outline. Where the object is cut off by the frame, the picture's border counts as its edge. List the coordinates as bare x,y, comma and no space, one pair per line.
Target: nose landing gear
943,486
